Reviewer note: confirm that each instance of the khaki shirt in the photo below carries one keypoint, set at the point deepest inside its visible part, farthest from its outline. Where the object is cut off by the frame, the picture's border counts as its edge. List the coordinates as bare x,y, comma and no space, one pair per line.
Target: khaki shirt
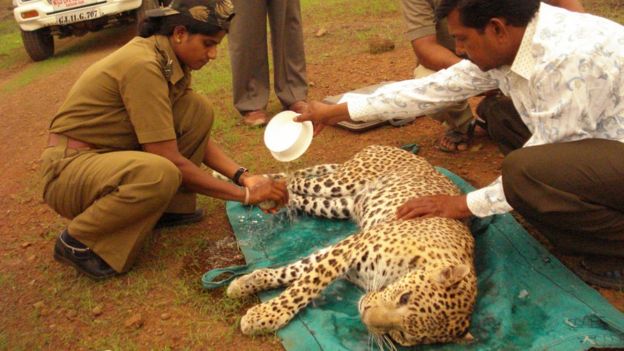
419,17
126,99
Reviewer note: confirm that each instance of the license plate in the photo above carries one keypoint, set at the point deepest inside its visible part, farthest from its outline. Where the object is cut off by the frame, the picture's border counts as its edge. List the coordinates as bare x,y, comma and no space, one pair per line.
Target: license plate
66,4
78,16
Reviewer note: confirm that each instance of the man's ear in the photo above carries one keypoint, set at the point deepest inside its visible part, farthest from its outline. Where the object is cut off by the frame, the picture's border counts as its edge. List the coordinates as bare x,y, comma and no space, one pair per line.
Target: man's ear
498,26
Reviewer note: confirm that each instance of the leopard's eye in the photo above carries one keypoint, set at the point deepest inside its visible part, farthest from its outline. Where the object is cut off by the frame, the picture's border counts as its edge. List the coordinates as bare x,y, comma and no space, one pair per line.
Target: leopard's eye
405,298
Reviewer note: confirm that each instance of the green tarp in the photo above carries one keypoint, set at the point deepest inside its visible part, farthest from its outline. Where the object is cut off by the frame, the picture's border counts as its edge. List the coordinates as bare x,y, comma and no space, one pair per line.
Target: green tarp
527,299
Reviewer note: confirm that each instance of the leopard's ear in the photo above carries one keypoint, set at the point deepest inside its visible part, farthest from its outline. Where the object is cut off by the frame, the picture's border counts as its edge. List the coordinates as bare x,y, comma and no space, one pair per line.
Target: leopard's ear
450,275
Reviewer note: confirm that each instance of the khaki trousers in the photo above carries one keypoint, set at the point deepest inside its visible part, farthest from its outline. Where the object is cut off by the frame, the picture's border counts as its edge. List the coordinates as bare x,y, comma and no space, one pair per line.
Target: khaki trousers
572,192
114,199
456,117
247,40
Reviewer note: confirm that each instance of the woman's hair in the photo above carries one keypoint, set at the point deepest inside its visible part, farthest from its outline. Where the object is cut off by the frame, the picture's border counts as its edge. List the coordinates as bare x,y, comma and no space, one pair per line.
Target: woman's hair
477,13
164,26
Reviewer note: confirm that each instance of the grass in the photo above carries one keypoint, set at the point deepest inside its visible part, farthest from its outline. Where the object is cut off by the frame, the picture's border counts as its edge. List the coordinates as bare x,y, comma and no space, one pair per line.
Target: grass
11,50
335,9
611,9
62,58
4,341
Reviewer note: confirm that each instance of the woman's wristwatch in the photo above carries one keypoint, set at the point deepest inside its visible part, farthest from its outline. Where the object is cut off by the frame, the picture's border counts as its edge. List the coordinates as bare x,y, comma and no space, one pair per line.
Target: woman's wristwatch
238,174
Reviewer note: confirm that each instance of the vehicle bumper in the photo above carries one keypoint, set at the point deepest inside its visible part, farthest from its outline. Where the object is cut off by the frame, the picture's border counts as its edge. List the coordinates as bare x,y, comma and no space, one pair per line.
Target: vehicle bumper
47,15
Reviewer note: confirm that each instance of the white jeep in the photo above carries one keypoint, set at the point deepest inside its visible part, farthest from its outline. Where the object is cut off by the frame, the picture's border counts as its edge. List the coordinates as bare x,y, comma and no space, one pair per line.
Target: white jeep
41,20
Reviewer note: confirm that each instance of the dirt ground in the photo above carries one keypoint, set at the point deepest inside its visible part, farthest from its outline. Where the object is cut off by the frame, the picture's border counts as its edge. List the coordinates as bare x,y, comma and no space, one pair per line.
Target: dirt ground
45,305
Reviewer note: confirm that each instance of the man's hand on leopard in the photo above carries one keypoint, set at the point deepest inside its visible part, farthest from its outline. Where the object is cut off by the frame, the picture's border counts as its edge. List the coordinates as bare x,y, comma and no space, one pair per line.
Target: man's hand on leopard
447,206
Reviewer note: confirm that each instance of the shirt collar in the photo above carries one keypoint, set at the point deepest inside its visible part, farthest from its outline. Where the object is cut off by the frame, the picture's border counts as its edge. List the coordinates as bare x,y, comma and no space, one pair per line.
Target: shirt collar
177,71
524,62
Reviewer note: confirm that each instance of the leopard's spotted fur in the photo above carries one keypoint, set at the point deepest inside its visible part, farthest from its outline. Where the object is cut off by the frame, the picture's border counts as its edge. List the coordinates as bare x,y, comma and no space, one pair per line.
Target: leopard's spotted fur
418,274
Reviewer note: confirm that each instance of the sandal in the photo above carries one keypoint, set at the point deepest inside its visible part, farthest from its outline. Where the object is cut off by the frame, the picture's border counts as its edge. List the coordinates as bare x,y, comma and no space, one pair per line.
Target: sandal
460,141
593,270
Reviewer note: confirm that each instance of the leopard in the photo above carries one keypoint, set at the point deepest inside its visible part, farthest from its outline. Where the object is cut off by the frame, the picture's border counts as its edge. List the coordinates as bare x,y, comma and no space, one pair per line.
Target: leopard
418,275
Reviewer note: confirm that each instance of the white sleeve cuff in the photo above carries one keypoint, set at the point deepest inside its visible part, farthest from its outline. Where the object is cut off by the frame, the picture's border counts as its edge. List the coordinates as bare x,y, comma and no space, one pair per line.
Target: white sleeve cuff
489,200
477,204
359,110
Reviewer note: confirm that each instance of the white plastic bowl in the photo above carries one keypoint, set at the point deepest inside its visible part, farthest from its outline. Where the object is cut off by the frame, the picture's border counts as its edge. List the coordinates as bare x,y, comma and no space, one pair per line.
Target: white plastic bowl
287,139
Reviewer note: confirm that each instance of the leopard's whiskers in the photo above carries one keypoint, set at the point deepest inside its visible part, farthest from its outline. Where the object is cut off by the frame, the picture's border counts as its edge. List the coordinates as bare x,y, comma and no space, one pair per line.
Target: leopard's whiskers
389,342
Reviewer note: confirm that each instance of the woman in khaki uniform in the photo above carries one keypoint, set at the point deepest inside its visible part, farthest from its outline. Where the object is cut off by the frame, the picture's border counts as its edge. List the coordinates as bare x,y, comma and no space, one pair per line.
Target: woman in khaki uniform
125,147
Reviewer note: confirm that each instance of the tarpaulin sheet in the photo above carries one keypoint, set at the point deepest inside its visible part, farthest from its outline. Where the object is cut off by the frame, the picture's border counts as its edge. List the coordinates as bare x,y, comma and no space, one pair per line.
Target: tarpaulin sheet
527,299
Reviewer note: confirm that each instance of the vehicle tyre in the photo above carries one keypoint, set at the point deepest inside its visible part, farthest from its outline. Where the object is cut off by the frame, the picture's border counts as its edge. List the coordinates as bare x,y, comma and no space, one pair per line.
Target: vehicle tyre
140,12
39,44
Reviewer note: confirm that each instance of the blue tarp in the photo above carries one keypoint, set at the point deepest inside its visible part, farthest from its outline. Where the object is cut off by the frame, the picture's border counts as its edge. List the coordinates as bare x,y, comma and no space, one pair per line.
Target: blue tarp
527,299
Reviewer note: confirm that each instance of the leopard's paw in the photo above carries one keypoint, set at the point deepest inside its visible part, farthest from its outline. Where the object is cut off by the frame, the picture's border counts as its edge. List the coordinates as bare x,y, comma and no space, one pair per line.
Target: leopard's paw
264,318
246,285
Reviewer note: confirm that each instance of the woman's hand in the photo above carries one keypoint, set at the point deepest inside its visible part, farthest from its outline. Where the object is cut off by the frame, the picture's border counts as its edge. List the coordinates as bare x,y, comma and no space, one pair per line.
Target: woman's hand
446,206
322,114
263,189
250,181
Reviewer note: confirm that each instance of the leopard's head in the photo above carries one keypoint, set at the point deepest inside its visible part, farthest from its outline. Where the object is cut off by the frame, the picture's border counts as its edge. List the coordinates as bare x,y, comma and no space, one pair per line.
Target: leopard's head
423,307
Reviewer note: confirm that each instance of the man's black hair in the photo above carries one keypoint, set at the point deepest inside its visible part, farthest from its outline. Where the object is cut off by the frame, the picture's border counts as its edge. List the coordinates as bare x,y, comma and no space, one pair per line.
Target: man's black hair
477,13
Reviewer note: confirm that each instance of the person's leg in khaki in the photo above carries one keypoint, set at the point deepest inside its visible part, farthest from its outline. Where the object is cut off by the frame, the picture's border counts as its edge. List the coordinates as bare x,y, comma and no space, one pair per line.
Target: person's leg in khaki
113,200
192,117
574,194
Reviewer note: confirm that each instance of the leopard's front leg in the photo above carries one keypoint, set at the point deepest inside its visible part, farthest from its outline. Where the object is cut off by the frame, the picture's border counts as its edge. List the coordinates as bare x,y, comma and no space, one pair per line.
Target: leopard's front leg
277,312
271,278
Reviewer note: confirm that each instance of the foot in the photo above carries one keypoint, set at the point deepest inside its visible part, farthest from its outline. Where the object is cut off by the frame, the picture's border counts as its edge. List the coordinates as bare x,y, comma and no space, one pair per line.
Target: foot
454,141
602,271
175,219
298,106
255,118
72,252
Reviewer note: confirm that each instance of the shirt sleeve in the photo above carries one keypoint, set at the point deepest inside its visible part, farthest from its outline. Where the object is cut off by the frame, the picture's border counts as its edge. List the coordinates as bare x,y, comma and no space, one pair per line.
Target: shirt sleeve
145,94
558,111
418,97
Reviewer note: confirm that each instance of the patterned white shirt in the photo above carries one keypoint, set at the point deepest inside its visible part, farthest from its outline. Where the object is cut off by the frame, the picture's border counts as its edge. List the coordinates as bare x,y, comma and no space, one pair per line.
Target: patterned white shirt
566,81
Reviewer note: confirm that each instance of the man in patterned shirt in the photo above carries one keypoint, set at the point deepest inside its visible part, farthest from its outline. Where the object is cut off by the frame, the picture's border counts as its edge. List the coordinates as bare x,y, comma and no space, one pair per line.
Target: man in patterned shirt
434,49
564,72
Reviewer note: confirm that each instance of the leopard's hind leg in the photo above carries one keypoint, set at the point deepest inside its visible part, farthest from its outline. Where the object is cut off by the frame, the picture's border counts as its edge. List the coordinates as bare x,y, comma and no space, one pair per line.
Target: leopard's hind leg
277,312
